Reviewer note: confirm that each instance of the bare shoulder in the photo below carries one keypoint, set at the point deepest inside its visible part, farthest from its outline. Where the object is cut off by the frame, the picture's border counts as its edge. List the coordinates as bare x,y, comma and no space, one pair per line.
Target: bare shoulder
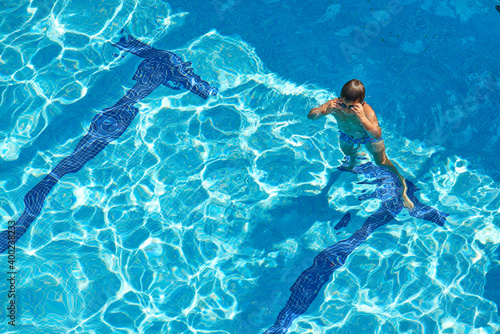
368,107
370,113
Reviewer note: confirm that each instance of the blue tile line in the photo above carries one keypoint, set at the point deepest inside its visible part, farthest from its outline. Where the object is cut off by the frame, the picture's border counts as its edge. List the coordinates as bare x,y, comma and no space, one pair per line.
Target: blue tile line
158,68
343,222
308,285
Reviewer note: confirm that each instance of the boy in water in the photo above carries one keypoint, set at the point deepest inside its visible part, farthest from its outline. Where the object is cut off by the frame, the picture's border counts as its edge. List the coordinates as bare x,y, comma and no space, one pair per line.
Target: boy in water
358,125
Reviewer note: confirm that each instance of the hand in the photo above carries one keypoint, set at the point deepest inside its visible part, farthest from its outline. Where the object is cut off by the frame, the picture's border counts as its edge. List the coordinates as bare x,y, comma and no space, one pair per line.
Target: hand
335,103
355,109
324,109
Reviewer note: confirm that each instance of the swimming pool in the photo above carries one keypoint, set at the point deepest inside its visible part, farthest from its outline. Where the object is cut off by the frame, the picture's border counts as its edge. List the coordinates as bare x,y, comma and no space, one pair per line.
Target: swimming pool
202,215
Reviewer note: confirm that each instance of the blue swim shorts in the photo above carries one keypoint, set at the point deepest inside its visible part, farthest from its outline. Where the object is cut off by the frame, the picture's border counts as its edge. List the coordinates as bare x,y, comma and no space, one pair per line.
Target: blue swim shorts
353,140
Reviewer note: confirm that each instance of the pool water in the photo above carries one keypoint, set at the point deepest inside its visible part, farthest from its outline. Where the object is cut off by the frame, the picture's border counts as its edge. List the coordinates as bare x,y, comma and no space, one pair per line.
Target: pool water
204,213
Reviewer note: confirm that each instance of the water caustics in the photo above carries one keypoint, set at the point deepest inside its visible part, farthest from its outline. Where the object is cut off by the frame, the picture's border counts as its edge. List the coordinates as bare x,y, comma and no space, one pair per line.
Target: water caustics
197,180
158,68
308,285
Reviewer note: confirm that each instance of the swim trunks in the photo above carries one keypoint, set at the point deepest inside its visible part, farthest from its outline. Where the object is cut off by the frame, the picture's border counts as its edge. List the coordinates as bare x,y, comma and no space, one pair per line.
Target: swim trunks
353,140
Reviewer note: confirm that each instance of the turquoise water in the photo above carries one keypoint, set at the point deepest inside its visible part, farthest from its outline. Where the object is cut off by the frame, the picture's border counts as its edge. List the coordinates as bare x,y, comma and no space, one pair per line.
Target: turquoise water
186,223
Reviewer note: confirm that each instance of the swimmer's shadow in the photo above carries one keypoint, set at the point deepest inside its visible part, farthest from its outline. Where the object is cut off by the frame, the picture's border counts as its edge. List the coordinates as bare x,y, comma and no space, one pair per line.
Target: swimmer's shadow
291,219
299,213
296,217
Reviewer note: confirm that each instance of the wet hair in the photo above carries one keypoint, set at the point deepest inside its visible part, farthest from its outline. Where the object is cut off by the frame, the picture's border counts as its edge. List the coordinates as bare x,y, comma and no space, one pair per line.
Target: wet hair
353,90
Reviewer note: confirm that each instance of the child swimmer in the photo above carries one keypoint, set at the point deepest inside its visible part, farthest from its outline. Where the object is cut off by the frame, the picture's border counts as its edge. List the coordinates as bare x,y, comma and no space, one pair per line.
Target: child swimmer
358,125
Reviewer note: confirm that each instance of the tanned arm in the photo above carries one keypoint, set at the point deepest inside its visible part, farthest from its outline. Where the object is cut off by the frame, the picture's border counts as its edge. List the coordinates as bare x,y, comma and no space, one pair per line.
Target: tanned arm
370,122
323,110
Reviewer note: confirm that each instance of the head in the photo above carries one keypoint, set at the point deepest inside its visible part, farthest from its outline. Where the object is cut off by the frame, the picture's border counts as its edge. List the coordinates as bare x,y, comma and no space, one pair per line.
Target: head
352,92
